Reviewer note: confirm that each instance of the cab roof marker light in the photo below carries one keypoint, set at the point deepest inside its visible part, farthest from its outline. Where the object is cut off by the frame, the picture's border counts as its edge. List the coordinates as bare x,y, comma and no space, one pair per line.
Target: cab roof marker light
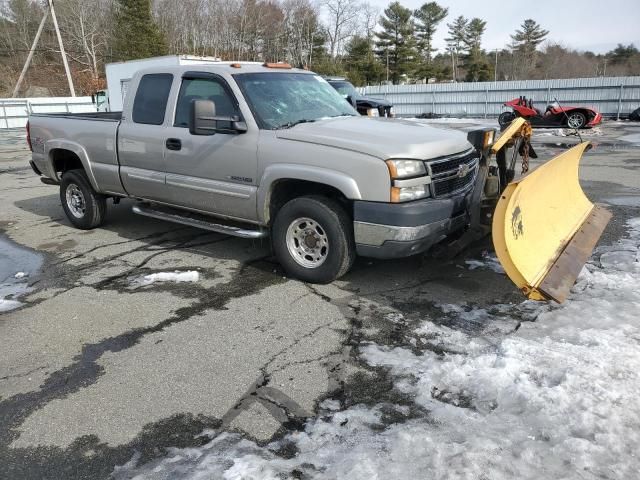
276,65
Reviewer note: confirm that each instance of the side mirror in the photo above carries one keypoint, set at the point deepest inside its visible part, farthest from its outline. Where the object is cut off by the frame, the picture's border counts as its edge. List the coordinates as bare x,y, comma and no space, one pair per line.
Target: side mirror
93,98
202,118
352,101
204,121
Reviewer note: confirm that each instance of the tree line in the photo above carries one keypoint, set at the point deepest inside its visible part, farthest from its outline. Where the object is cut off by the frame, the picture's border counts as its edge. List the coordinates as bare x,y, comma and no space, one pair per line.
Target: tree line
334,37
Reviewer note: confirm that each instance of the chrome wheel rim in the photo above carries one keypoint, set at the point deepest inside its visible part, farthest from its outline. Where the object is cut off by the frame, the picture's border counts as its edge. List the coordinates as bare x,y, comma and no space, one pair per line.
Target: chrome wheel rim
575,120
75,200
307,242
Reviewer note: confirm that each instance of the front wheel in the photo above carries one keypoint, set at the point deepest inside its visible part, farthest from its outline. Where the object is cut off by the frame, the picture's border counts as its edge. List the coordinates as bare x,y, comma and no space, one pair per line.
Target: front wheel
576,120
84,207
506,118
313,239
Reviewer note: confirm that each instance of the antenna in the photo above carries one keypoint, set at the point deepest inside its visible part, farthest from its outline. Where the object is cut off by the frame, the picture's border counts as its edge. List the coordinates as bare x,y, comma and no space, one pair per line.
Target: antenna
567,117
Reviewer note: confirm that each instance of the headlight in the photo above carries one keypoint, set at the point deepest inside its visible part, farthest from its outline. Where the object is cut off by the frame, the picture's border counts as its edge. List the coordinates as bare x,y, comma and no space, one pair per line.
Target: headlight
406,168
391,113
373,112
409,180
406,194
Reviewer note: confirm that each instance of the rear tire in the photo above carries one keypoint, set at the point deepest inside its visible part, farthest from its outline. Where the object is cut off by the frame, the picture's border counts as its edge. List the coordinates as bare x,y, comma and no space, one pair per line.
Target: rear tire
84,208
313,239
506,118
576,120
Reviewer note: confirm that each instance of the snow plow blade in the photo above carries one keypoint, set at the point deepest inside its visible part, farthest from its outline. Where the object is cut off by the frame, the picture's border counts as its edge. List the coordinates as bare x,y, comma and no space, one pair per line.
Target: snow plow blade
545,228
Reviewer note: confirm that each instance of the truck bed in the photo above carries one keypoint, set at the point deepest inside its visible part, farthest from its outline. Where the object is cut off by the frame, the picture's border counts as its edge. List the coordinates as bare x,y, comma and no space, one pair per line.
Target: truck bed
100,116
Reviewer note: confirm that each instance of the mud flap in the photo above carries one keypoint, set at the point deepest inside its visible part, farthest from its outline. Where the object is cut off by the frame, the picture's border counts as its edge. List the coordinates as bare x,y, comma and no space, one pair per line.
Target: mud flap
545,228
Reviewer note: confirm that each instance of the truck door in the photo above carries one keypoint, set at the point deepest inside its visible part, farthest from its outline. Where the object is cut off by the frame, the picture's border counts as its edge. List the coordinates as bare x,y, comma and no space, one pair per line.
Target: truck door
140,139
212,173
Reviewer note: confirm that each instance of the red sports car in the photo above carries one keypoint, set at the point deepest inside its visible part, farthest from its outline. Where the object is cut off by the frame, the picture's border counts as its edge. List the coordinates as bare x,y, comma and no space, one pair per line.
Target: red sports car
554,115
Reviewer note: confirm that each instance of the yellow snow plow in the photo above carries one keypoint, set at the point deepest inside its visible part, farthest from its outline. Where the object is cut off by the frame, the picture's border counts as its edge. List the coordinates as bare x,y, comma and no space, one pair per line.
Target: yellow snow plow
544,227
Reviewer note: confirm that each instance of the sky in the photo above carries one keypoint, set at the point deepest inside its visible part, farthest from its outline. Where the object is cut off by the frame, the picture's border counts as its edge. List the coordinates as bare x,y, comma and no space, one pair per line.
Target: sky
596,25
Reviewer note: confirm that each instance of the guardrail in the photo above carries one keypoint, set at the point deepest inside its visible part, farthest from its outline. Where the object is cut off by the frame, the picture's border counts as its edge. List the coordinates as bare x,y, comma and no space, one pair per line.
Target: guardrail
614,97
14,112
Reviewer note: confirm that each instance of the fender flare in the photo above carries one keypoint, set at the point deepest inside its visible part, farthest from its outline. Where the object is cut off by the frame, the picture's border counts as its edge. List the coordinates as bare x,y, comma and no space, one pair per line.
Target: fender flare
288,171
78,150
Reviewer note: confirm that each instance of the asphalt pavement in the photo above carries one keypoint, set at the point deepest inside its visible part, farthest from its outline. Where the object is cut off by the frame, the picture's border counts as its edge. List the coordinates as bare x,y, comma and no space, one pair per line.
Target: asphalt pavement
97,366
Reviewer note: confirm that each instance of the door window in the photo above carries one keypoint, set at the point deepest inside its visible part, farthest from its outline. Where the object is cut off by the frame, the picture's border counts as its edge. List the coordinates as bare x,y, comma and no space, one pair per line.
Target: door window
151,98
205,89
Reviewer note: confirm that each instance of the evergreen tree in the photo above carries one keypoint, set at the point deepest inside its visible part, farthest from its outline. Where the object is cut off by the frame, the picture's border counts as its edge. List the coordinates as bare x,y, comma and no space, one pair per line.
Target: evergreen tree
524,46
527,39
428,17
396,43
361,66
456,42
136,33
622,54
476,64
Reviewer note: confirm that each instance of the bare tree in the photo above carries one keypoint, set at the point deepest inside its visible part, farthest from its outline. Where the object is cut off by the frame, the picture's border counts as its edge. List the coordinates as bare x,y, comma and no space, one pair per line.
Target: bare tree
86,32
342,18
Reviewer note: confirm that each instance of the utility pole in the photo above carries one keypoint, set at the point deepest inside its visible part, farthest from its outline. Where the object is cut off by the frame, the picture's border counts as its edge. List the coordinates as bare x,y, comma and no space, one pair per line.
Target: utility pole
62,52
387,66
30,56
33,48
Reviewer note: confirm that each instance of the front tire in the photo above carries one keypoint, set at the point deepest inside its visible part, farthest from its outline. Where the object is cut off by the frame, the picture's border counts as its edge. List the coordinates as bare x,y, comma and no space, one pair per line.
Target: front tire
84,208
313,239
576,120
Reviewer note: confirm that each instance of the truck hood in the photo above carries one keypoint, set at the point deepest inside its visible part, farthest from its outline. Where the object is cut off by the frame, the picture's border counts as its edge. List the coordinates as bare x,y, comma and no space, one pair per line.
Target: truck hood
380,137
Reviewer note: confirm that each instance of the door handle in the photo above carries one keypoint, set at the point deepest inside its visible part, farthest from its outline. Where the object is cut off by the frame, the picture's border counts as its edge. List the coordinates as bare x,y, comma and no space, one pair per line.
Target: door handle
173,144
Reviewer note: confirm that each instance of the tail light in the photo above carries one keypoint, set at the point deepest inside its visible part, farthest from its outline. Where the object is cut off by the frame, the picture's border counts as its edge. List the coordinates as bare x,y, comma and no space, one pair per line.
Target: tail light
29,136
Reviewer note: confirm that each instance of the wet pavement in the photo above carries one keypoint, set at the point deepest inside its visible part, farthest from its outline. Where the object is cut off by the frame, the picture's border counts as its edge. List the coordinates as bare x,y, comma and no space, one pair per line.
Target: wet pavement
96,369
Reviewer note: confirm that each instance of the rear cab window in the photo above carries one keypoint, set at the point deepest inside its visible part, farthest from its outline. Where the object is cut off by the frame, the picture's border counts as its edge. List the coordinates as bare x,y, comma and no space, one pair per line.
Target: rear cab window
150,103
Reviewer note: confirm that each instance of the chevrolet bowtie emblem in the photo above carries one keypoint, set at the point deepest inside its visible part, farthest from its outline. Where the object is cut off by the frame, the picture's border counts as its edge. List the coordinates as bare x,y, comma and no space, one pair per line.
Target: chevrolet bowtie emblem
463,170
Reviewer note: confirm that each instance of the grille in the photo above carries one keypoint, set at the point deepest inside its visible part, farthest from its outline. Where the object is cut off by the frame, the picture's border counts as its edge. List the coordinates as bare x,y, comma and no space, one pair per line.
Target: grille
447,165
445,173
452,185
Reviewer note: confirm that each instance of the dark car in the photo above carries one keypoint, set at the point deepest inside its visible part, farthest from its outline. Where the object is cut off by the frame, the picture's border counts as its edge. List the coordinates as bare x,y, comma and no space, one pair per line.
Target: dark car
372,107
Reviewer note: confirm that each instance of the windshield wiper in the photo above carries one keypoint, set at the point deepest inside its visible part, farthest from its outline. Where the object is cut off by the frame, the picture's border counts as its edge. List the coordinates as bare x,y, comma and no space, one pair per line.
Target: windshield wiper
293,124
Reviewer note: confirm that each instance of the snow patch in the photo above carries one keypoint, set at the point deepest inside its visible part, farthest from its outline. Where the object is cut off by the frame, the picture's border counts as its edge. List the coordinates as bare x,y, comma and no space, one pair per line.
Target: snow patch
488,261
632,138
554,398
177,277
8,305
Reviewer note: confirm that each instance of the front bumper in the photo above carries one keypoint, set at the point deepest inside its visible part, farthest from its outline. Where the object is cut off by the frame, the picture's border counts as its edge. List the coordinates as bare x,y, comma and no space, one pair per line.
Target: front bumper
597,120
395,230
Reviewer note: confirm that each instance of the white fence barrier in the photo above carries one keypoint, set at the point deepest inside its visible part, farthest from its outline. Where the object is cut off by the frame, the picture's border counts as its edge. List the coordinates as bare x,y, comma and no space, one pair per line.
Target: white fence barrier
14,112
614,97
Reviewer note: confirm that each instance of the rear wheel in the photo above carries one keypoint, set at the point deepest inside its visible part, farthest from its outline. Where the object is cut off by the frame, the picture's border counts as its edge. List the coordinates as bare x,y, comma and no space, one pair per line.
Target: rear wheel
506,118
313,240
84,208
576,120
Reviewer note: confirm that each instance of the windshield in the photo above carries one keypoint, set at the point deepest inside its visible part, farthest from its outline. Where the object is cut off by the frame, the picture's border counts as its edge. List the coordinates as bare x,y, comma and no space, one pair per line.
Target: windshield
345,89
282,100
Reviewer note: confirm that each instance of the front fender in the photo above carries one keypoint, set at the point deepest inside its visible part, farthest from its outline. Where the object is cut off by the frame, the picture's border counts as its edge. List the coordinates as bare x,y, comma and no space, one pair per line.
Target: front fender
78,150
340,181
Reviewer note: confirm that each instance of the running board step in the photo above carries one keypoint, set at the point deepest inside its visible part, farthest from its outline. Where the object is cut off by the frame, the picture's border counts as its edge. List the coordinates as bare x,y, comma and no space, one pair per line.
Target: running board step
196,220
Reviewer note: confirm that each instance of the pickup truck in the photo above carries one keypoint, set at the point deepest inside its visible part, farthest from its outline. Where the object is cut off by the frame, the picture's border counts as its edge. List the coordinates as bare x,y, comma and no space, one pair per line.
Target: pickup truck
370,106
253,150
